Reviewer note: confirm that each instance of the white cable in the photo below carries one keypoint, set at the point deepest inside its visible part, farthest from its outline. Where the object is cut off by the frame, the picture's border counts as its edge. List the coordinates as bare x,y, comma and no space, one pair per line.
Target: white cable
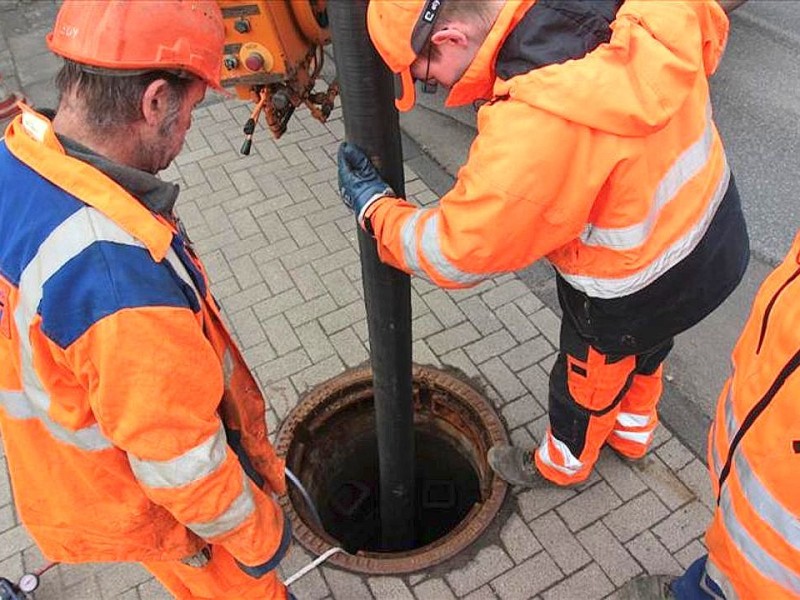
312,565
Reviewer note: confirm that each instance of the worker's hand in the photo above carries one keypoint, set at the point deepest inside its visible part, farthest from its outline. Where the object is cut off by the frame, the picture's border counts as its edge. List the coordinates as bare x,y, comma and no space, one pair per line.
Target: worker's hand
359,182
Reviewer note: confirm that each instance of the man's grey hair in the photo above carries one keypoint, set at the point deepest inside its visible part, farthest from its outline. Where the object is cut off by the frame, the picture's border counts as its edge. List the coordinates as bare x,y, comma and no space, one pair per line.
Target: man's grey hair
110,101
480,11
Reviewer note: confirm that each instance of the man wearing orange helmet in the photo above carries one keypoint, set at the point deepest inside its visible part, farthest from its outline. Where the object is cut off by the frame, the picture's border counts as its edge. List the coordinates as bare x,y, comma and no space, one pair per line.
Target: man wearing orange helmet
596,149
133,429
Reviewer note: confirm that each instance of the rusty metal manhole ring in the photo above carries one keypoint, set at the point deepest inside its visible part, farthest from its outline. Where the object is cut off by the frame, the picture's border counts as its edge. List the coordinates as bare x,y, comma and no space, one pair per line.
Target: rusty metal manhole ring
439,397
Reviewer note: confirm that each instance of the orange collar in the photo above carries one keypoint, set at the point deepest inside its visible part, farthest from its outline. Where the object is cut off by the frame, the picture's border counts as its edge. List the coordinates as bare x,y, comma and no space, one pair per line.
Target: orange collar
478,80
31,139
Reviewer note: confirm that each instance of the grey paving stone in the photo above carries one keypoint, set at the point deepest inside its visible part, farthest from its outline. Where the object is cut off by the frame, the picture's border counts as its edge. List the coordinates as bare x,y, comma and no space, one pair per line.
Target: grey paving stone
247,328
612,557
281,335
586,584
480,316
506,384
482,593
690,553
559,542
528,579
283,366
246,272
311,585
5,483
317,373
490,562
343,317
619,475
423,355
234,301
664,483
315,341
349,347
316,309
508,292
522,411
304,256
434,589
533,503
275,276
519,541
528,353
340,288
490,346
696,477
153,590
120,577
455,337
537,381
12,568
682,526
308,282
7,517
548,323
425,325
517,322
344,584
588,506
443,306
459,360
13,541
635,516
674,454
389,587
652,555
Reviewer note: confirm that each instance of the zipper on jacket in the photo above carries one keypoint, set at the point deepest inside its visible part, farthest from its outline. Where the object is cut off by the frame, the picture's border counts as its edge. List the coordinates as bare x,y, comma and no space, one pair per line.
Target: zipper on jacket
755,412
769,309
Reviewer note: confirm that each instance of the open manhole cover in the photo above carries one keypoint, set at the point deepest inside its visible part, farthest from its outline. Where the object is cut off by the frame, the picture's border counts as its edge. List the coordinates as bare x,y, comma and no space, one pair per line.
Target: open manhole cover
330,445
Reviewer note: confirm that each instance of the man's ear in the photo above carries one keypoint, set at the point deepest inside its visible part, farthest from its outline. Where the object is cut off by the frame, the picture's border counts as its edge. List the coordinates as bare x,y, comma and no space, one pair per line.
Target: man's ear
453,34
155,101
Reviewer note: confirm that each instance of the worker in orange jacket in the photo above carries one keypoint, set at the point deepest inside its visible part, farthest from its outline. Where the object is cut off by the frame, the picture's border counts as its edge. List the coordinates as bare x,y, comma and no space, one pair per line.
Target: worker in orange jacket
753,457
596,149
132,427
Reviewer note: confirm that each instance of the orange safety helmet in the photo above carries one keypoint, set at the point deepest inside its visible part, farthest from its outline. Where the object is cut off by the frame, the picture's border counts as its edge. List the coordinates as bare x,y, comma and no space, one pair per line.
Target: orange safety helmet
399,30
134,35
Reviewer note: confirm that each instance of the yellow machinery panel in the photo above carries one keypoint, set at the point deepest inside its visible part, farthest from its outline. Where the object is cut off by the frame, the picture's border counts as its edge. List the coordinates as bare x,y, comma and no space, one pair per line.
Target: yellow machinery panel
273,56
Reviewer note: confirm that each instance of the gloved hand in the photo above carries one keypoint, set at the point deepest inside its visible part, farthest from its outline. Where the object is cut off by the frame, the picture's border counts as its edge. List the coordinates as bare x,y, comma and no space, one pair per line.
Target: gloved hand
359,182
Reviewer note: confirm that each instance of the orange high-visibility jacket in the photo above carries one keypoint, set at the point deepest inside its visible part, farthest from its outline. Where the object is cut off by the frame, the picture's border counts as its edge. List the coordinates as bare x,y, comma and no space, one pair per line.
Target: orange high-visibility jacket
754,449
609,163
121,391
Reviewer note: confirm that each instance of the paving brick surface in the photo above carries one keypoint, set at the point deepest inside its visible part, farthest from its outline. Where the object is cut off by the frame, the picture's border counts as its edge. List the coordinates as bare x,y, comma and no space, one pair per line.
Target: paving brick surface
283,256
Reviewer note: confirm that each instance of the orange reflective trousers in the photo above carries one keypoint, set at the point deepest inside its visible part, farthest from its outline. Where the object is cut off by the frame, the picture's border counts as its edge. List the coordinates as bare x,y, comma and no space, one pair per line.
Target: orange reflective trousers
221,577
598,398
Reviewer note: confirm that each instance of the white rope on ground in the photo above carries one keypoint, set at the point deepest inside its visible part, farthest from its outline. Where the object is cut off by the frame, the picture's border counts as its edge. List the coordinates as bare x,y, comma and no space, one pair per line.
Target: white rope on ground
313,565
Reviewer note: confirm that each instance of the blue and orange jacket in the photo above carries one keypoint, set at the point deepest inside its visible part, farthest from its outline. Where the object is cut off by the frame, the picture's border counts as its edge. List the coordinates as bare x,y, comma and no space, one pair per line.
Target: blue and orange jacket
121,391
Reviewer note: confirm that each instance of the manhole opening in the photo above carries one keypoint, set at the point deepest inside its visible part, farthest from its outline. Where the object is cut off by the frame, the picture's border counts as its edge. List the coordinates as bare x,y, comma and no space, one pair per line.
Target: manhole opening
330,444
346,488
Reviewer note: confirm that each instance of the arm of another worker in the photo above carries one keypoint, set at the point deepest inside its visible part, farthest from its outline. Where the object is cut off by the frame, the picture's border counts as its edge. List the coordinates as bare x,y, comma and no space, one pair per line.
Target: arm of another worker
526,190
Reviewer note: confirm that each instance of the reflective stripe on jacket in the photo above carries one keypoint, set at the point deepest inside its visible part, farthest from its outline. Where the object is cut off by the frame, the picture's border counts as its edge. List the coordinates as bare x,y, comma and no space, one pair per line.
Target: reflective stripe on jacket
119,385
754,449
604,158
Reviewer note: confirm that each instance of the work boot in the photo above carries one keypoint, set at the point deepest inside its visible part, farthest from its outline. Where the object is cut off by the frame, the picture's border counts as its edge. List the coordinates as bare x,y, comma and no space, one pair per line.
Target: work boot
647,587
515,466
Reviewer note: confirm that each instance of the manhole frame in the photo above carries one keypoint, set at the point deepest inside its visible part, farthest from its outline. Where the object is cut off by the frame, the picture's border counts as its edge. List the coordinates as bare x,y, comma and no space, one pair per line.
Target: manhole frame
446,547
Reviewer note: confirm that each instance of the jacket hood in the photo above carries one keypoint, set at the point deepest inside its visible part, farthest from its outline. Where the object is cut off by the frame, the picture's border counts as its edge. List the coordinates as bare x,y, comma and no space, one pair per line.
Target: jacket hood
633,84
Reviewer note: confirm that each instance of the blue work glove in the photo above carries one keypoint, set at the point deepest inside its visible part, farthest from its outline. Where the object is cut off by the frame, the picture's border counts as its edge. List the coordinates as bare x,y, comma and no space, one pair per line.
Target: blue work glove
359,182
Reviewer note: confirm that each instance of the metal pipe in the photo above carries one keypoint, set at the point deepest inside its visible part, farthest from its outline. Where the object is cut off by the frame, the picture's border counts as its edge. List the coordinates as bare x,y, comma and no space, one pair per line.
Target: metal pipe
371,122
